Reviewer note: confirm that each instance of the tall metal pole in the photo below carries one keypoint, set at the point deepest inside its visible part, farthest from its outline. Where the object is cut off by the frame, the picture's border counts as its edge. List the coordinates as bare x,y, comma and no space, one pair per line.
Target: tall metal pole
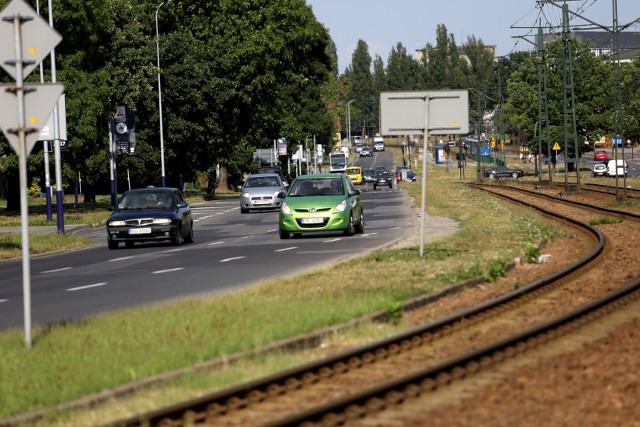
164,183
425,146
47,173
56,140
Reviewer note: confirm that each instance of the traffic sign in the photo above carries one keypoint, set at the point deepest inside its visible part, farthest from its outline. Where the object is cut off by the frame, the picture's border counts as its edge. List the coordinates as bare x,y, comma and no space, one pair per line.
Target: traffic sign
556,146
39,102
38,38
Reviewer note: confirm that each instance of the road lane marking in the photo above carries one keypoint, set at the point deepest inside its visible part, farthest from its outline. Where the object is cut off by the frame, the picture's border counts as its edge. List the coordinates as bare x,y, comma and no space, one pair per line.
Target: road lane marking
56,270
173,250
121,259
286,249
169,270
4,300
368,234
215,243
79,288
232,259
246,237
332,240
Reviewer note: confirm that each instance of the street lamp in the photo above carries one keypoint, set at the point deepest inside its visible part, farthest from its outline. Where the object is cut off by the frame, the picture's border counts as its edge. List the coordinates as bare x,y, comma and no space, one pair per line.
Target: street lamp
160,96
349,122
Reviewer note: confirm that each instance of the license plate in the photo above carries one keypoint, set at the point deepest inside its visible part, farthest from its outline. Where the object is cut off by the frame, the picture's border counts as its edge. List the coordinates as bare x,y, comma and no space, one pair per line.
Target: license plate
261,202
312,220
145,230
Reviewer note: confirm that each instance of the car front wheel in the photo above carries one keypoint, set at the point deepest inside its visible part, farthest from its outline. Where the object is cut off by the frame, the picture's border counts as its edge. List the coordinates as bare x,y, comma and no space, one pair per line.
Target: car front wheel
360,226
492,175
189,238
514,175
113,244
178,239
350,230
283,234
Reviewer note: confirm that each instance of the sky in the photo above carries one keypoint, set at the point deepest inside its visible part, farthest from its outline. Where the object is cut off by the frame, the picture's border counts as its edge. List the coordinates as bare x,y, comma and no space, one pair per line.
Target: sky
384,23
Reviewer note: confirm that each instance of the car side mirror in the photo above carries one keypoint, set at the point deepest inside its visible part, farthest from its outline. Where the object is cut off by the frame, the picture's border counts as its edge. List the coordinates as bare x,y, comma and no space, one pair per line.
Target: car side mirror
354,192
110,208
182,205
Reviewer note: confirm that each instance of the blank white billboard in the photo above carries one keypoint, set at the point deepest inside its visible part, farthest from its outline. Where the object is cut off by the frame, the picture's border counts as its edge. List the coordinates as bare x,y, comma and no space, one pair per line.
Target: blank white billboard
404,113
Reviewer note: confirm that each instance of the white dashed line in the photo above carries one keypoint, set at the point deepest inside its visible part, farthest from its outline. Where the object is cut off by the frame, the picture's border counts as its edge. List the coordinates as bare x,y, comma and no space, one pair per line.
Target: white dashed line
4,300
215,243
286,249
332,240
232,259
56,270
120,259
79,288
168,270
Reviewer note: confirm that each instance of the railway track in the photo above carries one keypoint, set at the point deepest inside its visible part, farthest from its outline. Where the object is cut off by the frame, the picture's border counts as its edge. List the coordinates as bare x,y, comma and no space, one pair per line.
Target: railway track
381,376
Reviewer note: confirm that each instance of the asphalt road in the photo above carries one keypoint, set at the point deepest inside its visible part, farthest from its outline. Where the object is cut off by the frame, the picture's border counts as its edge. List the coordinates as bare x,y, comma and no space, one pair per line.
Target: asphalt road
231,251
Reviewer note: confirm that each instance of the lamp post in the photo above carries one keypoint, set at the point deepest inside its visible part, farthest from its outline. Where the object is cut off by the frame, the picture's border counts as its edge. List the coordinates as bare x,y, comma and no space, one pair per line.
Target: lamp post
349,123
160,97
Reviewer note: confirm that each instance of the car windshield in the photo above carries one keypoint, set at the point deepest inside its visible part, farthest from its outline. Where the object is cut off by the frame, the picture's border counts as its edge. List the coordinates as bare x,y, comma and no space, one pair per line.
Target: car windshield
382,173
147,200
317,187
263,181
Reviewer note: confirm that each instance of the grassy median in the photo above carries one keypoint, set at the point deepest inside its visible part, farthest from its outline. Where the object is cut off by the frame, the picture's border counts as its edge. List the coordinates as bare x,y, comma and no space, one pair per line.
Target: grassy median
77,359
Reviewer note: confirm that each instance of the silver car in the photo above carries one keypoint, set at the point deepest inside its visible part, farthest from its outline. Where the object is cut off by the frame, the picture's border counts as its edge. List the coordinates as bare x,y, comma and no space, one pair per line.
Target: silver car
260,192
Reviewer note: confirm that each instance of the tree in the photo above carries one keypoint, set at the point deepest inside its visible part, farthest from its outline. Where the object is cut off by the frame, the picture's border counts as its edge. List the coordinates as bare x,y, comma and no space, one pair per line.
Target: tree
361,85
401,69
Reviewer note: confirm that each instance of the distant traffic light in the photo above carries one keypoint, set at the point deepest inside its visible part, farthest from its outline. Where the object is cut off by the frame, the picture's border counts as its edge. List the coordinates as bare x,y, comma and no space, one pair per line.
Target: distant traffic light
125,123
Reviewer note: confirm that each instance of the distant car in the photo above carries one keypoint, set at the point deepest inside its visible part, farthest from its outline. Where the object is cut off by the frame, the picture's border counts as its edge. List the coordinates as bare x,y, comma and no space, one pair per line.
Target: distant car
359,147
600,155
355,174
366,151
617,167
321,202
503,172
378,143
383,178
261,192
276,170
150,214
599,169
368,175
411,177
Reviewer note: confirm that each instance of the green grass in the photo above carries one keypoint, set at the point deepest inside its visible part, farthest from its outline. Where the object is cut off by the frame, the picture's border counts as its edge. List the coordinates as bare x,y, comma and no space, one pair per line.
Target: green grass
79,358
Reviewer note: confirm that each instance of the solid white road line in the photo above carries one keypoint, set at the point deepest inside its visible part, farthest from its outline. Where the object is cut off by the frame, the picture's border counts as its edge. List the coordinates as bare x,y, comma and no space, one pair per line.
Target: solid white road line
286,249
121,259
215,243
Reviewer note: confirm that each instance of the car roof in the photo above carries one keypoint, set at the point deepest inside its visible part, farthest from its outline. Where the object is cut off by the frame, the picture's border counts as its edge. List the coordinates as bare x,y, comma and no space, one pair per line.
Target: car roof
151,190
263,175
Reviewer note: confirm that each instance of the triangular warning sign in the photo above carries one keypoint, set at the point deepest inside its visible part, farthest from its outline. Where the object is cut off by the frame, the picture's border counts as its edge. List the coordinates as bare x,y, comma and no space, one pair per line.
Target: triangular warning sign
556,146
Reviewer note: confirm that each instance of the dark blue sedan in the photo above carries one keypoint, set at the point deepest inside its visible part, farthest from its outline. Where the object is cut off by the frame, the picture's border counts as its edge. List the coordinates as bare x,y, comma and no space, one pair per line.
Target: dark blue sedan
150,214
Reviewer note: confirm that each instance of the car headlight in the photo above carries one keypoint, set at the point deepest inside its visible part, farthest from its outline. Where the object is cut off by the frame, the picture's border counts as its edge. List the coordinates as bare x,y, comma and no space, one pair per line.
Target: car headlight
285,209
116,223
246,195
341,207
162,221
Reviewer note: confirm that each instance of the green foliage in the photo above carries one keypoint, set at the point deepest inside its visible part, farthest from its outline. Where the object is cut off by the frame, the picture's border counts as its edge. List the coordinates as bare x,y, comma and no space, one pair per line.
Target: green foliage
394,311
605,220
496,270
532,254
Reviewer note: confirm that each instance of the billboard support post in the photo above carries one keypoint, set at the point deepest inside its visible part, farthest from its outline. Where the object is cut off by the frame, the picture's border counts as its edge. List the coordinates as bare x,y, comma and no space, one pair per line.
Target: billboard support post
404,113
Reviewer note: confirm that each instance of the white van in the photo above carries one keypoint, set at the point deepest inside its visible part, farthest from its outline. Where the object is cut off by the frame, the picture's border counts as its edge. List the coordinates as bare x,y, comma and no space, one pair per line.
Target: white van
378,143
612,170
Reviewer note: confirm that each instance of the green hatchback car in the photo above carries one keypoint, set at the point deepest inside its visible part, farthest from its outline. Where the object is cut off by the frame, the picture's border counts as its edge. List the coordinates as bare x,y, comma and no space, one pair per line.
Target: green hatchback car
321,203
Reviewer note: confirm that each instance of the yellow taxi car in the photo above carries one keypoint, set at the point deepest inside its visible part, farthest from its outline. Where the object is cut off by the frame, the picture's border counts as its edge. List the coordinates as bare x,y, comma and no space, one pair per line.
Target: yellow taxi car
355,174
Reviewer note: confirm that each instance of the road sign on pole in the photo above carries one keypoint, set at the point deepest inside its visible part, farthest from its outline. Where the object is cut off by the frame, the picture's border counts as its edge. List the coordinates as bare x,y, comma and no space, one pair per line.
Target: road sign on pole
37,42
22,126
39,100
